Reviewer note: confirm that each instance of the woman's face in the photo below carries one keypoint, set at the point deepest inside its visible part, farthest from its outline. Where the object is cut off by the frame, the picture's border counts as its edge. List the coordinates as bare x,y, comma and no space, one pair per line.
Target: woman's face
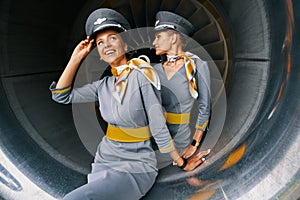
111,47
163,42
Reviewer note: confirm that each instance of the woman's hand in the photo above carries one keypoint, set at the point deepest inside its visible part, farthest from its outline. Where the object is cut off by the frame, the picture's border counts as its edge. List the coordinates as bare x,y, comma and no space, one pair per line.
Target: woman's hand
192,148
196,160
83,48
188,151
79,53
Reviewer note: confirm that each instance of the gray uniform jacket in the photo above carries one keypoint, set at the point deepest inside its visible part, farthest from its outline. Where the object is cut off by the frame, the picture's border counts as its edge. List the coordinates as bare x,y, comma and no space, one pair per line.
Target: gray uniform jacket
140,106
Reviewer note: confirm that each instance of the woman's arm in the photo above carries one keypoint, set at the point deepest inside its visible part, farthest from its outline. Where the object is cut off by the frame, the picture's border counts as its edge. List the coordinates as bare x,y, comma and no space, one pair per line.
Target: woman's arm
84,94
204,97
62,91
159,130
79,53
204,106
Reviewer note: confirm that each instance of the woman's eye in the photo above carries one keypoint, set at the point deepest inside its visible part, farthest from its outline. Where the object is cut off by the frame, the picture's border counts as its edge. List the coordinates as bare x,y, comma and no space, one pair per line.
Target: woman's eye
113,38
100,43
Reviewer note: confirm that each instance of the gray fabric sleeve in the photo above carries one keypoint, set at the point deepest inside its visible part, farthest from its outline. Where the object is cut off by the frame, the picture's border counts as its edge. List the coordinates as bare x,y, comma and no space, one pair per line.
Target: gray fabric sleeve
204,94
156,118
66,95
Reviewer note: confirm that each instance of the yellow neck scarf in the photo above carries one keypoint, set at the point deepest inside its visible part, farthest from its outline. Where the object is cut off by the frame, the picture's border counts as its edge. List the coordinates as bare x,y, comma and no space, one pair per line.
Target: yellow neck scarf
123,72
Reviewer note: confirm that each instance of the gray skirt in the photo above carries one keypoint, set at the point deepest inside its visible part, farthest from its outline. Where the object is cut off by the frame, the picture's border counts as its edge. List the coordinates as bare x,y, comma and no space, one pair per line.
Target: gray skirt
120,171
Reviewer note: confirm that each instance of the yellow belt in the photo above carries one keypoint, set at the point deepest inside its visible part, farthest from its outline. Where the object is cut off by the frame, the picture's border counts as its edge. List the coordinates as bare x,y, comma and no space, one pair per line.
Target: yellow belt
177,118
128,134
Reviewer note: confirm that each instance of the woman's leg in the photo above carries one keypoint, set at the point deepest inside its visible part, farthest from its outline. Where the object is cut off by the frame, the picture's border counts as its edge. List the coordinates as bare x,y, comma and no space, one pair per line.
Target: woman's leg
114,185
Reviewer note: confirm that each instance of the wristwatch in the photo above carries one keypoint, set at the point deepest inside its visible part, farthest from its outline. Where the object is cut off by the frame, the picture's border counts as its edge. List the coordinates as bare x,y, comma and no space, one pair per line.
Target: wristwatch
195,143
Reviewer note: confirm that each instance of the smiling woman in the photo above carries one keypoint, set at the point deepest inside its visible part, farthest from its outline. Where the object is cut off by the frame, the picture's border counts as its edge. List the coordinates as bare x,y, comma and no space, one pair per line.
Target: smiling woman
127,171
109,48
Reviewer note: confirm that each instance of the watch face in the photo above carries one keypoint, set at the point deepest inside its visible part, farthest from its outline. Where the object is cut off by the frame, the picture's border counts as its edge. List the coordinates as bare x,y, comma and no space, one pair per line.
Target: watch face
195,143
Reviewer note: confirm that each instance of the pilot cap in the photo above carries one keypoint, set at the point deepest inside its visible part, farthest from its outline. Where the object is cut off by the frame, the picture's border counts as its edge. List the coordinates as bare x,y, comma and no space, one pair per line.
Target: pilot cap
104,18
169,20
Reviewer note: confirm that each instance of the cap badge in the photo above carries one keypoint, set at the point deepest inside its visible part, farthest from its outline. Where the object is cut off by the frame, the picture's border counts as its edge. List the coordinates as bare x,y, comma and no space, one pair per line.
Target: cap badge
157,22
100,21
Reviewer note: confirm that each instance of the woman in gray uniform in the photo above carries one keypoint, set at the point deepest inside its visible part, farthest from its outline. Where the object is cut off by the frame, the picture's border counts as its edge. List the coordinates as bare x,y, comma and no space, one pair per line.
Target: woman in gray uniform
184,78
124,166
